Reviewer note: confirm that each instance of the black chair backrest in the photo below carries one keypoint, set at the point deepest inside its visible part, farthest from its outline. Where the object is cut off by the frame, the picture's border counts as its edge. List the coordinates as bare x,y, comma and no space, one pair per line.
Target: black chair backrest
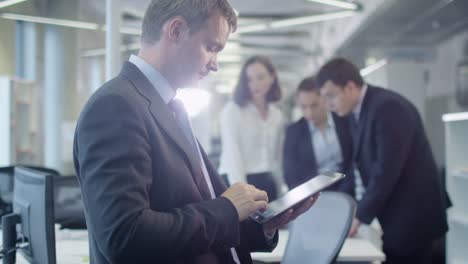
69,208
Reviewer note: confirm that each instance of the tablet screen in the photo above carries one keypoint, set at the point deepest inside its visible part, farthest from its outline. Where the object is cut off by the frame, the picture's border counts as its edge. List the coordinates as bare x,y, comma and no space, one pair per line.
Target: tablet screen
295,196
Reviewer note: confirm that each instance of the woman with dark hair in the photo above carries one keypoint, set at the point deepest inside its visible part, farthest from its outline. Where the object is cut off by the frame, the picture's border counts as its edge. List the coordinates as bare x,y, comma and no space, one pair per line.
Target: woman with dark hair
252,128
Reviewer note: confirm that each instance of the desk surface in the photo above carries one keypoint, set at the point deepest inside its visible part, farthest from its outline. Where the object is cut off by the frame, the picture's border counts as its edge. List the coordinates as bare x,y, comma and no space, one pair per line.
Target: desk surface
72,248
353,250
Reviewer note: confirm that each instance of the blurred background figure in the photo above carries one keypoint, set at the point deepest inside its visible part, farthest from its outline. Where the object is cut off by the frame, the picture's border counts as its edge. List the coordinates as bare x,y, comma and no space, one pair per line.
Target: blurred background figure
318,142
402,187
251,128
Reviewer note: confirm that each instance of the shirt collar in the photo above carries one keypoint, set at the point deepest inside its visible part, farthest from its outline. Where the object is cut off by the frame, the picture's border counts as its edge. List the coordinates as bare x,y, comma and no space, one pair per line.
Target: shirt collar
357,109
158,81
330,123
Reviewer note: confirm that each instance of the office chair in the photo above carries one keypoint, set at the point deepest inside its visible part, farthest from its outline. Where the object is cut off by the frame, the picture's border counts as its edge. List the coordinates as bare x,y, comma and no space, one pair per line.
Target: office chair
318,235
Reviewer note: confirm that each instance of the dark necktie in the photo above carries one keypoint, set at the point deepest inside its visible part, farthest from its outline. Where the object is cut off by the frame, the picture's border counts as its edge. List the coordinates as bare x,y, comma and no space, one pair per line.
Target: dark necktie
182,118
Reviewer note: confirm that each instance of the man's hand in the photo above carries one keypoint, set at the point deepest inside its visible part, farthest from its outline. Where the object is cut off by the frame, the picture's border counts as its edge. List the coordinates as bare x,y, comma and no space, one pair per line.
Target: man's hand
354,227
246,198
270,227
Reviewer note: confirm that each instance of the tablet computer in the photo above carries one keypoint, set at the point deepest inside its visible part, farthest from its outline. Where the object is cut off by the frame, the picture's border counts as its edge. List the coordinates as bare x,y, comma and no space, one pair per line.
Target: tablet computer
295,196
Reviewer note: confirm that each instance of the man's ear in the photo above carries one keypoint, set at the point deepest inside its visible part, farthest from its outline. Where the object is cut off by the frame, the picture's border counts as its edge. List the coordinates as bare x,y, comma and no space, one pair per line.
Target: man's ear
176,28
351,85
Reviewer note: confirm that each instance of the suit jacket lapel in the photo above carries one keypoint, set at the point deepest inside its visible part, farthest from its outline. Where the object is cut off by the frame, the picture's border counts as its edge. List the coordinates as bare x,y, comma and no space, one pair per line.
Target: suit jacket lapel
219,185
165,118
361,124
344,138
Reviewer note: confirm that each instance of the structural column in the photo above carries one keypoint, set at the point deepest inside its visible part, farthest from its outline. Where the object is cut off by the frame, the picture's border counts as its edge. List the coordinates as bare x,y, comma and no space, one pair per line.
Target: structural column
113,21
54,85
26,50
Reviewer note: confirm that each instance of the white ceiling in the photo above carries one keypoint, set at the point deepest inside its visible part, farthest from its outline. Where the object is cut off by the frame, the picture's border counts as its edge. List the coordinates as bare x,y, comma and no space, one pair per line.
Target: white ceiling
292,49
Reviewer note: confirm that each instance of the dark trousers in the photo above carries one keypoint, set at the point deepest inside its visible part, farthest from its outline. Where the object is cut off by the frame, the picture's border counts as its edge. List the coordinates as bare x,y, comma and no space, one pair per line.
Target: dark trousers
263,181
422,255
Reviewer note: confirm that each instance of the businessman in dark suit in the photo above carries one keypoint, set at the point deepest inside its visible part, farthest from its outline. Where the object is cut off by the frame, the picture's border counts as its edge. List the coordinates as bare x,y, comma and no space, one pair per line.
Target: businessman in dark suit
150,193
395,161
318,142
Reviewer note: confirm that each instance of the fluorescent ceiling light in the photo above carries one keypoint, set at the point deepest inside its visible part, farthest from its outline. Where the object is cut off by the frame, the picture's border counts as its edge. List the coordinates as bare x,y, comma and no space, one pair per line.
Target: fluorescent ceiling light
310,19
455,117
10,2
253,28
66,23
223,57
372,68
130,31
337,3
102,51
295,21
51,21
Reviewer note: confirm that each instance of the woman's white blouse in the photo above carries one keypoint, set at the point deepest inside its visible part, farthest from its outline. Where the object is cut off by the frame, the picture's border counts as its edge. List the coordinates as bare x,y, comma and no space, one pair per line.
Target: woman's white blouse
250,144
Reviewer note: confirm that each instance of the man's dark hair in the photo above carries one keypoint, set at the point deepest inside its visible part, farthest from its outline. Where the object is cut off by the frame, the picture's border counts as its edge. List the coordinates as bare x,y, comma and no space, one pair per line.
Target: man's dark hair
242,92
339,71
195,12
308,85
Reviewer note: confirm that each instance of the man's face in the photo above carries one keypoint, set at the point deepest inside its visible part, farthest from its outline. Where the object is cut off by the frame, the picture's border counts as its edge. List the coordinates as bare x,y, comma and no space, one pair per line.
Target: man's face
313,106
339,99
197,52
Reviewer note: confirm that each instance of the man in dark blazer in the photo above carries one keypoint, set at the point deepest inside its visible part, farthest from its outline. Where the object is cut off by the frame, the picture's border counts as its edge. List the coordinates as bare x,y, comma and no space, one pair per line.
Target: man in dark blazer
394,158
318,142
150,193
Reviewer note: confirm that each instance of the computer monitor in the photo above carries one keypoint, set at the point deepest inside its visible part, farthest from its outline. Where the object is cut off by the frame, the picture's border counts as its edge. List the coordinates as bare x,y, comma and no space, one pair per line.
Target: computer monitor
6,184
31,224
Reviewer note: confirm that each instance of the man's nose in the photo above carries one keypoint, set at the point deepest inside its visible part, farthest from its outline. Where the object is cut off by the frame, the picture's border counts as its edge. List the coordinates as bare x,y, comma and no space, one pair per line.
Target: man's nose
213,65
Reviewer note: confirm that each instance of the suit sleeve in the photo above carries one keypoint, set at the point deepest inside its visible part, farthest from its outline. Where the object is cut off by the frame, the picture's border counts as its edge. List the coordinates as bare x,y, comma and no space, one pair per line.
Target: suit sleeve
347,184
394,129
291,164
253,237
113,161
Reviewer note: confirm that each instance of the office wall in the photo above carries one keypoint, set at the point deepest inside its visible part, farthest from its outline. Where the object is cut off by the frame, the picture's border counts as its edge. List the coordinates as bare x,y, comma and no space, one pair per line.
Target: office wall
405,77
442,72
378,77
8,36
441,90
7,47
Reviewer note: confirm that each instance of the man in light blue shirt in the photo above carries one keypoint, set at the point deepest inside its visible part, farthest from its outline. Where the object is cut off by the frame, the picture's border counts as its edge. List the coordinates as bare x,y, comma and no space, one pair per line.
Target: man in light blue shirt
317,143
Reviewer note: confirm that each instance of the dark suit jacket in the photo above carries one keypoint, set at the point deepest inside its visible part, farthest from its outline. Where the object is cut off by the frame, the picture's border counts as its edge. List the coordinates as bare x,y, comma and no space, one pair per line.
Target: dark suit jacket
299,162
403,188
143,188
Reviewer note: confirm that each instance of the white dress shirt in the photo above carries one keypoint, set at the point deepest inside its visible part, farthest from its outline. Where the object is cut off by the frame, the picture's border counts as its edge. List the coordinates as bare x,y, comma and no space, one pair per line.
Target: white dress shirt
250,144
327,148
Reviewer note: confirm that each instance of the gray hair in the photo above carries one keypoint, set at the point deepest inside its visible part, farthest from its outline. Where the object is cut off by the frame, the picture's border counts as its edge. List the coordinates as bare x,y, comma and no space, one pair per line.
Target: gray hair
195,12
